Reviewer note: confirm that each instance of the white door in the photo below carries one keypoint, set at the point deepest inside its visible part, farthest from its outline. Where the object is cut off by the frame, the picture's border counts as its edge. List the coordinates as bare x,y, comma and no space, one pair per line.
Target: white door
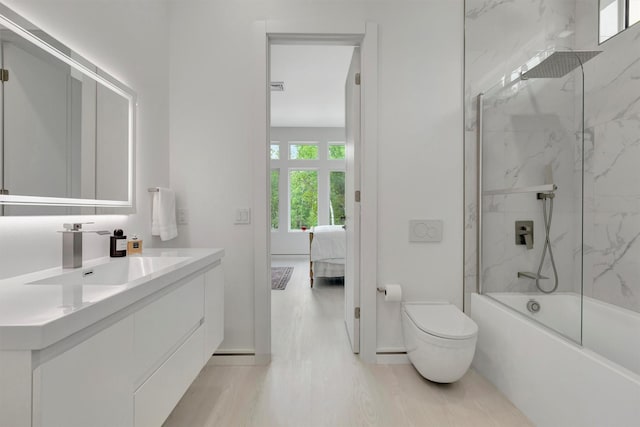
352,207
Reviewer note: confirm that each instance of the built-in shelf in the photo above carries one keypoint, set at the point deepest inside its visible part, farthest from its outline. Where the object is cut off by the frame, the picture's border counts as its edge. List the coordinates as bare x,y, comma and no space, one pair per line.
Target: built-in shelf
547,188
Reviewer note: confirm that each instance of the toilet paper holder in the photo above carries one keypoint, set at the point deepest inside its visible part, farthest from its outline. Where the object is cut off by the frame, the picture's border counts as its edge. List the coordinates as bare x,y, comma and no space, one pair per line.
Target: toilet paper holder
392,292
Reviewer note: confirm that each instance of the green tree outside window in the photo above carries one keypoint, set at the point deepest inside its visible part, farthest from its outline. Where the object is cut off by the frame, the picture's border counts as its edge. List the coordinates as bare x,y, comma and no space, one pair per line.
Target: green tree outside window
303,185
303,151
336,198
275,198
336,152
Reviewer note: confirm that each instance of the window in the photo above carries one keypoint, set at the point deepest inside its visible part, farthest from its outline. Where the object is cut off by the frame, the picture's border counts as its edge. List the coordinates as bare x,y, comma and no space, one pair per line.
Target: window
303,199
634,12
336,198
275,150
307,181
275,198
616,16
302,151
336,151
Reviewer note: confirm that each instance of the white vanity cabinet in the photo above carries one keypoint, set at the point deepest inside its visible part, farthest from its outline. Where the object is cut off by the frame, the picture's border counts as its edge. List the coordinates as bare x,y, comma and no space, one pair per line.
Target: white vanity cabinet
89,384
128,369
169,342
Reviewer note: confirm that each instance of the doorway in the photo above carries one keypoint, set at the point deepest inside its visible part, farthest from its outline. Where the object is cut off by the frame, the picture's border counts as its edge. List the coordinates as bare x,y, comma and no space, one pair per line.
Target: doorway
314,177
266,33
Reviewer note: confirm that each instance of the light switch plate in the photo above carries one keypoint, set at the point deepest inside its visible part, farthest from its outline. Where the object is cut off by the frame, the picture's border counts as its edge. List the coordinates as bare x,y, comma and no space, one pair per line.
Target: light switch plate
425,230
243,216
183,216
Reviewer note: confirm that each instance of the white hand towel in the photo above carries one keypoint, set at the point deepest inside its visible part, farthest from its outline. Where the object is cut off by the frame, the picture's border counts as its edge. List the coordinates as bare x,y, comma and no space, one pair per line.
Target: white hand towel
163,222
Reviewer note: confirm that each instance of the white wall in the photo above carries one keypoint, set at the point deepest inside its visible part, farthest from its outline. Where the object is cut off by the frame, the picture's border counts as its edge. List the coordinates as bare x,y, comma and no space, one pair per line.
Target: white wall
420,140
129,39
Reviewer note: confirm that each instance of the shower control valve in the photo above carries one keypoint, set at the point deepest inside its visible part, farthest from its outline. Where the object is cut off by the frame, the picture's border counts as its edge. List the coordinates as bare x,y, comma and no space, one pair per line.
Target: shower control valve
524,233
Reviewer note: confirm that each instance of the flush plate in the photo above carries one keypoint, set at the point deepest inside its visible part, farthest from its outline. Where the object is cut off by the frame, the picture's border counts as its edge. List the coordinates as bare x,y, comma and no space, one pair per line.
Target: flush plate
425,230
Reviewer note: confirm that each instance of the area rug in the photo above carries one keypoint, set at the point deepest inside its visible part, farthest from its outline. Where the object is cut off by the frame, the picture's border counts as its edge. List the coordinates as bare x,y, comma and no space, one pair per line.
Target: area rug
280,277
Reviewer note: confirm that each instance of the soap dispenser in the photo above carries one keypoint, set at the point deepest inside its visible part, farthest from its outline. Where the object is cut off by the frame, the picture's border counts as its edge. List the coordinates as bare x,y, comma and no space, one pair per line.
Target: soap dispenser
118,244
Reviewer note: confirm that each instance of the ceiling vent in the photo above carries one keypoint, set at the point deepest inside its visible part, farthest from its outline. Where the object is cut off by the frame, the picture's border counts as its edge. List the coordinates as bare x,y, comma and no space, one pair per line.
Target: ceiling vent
277,86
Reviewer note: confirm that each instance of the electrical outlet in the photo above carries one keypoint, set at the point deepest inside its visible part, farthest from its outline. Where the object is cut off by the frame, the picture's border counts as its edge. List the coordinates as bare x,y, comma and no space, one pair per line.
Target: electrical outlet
183,216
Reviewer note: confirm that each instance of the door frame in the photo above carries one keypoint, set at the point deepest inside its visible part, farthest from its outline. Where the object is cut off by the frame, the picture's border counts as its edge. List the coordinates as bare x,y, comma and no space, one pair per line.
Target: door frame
366,35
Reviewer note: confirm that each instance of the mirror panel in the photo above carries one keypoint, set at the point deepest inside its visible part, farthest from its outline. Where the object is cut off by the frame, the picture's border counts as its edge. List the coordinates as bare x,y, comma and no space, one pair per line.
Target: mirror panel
67,128
112,146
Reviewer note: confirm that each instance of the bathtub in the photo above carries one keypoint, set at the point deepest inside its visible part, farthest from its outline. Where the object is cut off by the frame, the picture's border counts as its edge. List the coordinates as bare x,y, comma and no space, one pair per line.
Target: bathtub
549,377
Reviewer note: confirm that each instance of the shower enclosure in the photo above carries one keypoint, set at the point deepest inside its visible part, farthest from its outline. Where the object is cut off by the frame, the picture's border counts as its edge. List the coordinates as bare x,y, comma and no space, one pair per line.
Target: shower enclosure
535,210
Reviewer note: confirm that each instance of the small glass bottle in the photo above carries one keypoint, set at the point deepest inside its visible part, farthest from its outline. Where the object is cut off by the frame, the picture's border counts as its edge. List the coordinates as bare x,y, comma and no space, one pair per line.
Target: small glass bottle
134,246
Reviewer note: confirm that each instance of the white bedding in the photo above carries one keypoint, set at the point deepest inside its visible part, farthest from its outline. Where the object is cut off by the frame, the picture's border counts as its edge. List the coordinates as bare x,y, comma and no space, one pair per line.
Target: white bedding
329,244
328,269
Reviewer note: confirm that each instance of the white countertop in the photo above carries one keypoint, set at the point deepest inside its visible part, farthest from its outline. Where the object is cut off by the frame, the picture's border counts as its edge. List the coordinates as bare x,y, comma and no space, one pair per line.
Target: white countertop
36,315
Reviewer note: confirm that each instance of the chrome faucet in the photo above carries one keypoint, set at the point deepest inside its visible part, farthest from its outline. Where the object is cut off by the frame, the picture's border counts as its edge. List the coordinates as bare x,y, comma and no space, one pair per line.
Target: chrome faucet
72,243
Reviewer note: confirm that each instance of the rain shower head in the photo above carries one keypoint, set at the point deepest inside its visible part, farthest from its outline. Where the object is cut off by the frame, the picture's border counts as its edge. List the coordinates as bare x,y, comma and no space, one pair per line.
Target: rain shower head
559,64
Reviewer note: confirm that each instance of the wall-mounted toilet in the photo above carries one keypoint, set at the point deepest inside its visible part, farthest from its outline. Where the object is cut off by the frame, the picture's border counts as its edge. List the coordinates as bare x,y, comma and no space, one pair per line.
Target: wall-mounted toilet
440,339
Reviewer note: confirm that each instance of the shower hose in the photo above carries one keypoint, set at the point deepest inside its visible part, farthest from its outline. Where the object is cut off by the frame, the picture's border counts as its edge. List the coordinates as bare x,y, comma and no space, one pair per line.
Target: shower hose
547,242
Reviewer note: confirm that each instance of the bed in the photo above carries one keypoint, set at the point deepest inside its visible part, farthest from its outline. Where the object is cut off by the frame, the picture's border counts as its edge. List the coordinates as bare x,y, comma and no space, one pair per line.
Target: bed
327,249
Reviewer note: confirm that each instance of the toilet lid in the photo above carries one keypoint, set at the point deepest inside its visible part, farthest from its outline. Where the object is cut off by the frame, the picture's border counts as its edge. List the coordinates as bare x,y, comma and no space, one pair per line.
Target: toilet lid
442,320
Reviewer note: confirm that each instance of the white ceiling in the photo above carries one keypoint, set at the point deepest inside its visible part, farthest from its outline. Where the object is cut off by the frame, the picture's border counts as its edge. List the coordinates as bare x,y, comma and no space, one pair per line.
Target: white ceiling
314,78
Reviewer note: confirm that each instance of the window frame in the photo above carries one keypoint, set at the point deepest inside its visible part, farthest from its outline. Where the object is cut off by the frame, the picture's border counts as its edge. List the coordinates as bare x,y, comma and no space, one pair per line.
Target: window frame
323,165
622,16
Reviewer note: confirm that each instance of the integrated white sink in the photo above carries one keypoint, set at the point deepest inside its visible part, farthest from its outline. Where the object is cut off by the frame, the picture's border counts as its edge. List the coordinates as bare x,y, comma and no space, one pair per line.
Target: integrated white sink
40,308
114,273
82,286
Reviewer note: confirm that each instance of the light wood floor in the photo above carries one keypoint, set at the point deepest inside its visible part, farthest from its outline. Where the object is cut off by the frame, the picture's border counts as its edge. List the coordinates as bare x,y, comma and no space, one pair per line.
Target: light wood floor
315,380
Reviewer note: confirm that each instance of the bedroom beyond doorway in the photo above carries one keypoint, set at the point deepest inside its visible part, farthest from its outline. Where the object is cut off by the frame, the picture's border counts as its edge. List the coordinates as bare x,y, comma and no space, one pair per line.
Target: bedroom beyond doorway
312,153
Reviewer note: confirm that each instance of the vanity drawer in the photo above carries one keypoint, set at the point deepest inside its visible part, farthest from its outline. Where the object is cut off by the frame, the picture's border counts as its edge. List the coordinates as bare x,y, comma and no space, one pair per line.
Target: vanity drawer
161,327
156,398
89,384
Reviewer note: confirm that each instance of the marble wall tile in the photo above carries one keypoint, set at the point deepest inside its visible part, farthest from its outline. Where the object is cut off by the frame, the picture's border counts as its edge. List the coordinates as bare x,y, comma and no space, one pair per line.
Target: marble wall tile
612,156
527,126
536,130
614,269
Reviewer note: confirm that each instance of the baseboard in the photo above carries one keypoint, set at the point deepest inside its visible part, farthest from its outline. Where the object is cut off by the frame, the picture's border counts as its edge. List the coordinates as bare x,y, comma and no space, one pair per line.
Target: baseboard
392,356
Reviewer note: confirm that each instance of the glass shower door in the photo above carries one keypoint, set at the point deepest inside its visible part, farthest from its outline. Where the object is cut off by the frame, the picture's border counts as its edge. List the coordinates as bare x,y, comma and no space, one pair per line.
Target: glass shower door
531,201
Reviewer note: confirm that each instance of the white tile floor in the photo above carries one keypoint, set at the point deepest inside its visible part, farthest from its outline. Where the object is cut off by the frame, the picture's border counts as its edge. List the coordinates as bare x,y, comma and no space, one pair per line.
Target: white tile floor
315,380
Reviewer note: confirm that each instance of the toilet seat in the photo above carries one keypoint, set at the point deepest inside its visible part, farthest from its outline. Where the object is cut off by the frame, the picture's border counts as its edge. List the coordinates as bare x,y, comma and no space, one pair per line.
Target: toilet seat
441,320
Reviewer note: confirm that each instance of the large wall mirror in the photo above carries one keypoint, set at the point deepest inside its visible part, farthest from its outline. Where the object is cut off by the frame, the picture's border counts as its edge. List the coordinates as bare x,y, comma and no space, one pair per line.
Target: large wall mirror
66,128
